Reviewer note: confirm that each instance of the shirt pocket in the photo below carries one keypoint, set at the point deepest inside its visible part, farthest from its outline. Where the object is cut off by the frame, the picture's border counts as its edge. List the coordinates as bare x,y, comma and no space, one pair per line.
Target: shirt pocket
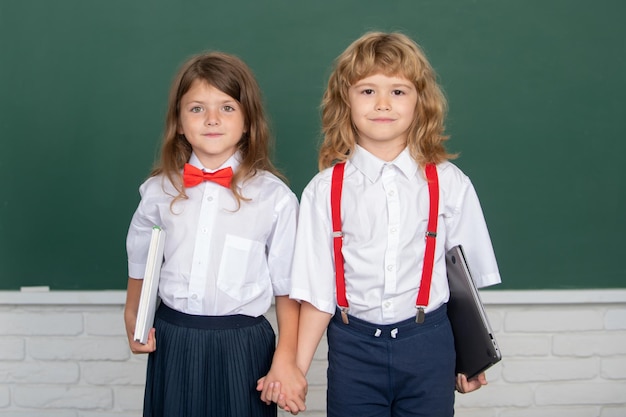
238,274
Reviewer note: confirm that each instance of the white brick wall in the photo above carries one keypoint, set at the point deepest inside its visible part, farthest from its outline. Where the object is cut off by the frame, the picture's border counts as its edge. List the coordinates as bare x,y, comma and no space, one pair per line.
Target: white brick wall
64,354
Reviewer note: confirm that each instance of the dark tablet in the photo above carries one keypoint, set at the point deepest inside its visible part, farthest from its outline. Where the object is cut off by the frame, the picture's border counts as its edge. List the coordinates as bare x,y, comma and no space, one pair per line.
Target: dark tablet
476,347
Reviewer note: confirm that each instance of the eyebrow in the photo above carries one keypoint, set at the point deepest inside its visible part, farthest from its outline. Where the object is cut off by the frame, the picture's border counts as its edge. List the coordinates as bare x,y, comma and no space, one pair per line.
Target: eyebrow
394,85
229,102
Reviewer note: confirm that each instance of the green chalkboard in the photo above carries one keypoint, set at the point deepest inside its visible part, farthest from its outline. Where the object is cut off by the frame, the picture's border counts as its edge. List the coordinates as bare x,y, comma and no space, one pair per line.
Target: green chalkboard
536,91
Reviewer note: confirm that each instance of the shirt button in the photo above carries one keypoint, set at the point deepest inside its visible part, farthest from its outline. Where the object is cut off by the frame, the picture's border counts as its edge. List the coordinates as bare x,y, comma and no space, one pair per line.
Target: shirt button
389,267
209,199
394,230
391,193
204,230
387,304
194,296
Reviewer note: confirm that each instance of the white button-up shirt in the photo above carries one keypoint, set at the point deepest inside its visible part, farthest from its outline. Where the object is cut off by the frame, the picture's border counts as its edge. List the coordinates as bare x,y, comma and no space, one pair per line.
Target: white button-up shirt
218,260
384,212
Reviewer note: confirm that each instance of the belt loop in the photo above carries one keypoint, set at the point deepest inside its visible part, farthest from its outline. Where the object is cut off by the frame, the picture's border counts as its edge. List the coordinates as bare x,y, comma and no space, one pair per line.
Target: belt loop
394,333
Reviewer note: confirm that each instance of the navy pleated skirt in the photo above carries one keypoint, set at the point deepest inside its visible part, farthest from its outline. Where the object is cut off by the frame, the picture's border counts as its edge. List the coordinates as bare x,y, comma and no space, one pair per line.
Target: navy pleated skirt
208,366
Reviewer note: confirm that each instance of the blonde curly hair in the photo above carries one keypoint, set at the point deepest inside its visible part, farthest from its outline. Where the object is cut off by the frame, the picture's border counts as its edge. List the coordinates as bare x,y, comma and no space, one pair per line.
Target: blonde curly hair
391,54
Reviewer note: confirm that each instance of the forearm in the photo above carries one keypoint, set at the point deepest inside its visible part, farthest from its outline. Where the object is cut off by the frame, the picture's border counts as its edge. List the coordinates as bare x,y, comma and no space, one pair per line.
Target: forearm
287,317
133,293
311,328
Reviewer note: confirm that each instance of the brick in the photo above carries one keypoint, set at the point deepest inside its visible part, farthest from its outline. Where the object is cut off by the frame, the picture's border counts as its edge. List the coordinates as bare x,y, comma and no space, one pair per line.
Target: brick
496,395
39,372
589,344
5,396
614,368
87,398
474,412
579,411
549,369
108,414
610,411
495,319
105,324
114,373
38,413
12,348
307,413
317,373
321,353
129,398
316,399
590,393
553,320
494,373
41,324
524,345
79,348
615,319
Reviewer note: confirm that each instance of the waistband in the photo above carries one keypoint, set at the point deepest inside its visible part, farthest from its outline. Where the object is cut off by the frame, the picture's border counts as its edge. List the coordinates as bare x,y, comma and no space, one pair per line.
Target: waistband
206,322
397,330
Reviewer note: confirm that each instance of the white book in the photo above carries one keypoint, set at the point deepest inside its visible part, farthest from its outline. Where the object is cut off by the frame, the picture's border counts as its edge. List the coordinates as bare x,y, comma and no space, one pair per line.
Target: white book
149,288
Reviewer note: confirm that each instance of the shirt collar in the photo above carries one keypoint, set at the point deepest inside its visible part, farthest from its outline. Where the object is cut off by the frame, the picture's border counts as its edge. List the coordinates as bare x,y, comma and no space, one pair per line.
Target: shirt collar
371,166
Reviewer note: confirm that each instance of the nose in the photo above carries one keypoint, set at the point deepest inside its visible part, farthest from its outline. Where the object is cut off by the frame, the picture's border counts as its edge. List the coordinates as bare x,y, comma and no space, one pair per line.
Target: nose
383,104
211,118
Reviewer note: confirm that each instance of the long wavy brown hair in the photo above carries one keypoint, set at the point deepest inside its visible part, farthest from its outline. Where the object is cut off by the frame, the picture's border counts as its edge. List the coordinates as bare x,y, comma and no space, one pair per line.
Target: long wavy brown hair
232,76
391,54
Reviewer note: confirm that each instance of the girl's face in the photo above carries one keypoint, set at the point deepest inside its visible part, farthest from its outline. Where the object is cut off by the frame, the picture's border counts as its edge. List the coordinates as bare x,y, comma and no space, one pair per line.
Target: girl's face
212,121
382,109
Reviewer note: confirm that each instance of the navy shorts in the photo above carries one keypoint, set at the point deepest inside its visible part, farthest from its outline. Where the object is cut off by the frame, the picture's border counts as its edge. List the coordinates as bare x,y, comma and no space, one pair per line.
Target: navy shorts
400,370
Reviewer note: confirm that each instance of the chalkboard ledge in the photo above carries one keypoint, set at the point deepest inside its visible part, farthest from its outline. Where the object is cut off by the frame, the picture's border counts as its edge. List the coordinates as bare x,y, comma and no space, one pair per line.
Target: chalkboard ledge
489,297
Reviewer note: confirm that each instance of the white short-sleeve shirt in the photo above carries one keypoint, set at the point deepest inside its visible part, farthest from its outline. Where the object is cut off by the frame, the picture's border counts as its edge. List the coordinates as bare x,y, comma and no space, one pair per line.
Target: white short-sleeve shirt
218,260
384,212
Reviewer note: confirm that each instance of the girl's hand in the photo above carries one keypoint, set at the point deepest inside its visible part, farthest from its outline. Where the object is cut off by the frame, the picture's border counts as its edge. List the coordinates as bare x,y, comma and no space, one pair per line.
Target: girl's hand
291,395
150,345
464,386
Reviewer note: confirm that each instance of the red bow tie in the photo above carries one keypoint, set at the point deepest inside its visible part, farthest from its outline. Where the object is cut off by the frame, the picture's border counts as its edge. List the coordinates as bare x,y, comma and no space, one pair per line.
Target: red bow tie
193,176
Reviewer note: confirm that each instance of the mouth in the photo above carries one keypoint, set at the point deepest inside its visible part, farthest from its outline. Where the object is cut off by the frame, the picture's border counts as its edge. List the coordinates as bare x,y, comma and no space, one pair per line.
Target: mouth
382,120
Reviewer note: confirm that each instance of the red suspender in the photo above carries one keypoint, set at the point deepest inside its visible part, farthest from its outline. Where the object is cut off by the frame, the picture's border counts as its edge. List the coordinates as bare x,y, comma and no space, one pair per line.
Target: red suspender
335,205
431,235
429,254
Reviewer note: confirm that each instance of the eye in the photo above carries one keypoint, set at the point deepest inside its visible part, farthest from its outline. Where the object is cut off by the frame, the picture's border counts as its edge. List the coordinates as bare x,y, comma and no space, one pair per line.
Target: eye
196,109
397,92
228,108
368,91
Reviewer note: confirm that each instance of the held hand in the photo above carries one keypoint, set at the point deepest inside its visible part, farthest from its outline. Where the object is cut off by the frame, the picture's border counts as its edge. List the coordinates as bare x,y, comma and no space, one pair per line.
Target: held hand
270,392
150,345
464,386
290,395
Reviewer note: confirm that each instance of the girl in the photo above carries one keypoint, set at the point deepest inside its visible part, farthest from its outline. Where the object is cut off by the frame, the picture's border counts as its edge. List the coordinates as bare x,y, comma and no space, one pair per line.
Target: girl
383,115
230,224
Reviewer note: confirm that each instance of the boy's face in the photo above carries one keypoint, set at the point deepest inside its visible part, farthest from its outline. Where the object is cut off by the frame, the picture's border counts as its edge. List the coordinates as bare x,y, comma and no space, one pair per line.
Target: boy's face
212,121
382,109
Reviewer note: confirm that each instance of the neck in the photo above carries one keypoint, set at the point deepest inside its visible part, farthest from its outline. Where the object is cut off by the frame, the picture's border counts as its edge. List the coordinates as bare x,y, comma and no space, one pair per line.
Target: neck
384,151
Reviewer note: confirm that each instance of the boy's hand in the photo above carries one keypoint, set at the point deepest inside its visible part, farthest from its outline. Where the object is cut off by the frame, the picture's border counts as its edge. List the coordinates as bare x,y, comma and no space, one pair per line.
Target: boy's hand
464,386
290,395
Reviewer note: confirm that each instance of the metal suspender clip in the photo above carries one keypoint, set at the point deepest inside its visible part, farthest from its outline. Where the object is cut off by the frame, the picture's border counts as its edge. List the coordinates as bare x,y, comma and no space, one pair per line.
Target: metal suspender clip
430,234
338,233
419,316
344,315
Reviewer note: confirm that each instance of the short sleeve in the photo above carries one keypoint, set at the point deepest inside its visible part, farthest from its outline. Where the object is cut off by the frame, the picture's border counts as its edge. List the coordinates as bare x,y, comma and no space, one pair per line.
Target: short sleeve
313,266
467,227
